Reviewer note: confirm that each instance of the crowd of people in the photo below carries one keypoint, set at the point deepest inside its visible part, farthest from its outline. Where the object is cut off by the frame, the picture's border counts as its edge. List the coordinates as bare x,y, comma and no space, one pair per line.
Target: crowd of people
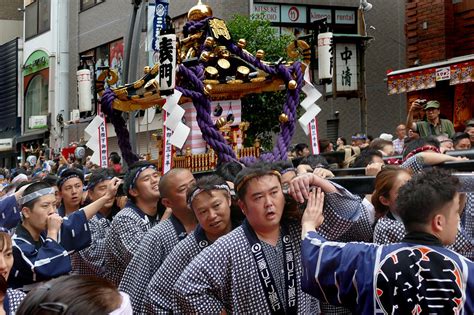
271,237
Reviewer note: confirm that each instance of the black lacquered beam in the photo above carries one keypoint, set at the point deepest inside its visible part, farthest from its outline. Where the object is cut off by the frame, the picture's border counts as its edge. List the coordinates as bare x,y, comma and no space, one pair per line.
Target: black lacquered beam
461,166
361,185
466,153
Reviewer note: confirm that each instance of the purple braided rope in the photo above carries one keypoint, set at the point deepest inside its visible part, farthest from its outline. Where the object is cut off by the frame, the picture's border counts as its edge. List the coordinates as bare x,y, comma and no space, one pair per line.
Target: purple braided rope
193,26
267,157
289,108
119,124
203,115
248,160
251,59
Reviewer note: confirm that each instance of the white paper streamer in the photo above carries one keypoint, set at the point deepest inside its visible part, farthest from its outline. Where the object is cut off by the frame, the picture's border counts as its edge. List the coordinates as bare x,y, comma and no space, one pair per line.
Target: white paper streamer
97,141
309,103
174,119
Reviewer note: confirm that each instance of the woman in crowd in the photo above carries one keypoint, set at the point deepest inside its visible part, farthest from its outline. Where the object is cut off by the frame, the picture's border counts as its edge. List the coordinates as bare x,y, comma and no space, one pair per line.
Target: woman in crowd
10,298
389,228
76,294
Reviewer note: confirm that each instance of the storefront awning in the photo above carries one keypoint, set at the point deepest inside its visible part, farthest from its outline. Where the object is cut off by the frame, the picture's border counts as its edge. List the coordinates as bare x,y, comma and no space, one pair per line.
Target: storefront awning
32,136
457,70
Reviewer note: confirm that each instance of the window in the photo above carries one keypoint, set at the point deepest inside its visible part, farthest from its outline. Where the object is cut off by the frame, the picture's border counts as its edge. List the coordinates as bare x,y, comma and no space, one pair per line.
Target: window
87,4
332,129
36,99
37,18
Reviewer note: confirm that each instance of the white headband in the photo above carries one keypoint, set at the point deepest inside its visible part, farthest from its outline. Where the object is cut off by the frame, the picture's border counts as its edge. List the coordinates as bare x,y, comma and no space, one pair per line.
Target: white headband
200,190
35,195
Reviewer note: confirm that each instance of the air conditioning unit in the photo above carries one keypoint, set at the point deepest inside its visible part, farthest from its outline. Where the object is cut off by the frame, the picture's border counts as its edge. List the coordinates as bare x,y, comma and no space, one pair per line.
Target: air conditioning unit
38,122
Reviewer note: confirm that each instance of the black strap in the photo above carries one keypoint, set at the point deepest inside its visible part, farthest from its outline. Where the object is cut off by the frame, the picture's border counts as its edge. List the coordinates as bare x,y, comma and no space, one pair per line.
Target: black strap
201,238
265,276
179,228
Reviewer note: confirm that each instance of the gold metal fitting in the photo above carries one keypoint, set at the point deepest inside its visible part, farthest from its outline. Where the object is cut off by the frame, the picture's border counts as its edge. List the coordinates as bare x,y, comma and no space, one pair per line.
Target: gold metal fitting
242,43
221,122
209,42
222,52
242,73
205,56
283,118
292,85
199,12
146,69
224,64
211,72
207,89
260,54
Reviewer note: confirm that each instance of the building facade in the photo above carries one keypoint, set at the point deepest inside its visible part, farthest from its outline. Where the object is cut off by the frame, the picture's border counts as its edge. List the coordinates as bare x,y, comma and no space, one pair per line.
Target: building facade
44,77
100,29
440,58
11,46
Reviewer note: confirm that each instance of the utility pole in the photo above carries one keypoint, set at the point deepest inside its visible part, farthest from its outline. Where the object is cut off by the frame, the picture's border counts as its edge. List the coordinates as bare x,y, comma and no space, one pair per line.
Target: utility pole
363,92
130,65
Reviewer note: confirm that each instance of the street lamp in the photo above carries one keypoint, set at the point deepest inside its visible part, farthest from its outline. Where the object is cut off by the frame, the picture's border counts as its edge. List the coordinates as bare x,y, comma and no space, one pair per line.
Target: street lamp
86,84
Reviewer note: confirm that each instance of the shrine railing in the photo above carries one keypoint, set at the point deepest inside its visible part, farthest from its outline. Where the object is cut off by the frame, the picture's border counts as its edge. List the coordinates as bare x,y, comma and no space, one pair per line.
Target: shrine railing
203,162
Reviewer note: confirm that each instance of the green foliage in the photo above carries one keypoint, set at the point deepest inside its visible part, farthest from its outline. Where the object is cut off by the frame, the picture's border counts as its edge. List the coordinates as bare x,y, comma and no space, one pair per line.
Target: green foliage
261,110
259,34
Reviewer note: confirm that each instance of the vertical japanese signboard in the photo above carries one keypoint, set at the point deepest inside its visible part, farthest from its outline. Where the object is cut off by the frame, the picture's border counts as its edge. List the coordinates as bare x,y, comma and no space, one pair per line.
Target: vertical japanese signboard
346,67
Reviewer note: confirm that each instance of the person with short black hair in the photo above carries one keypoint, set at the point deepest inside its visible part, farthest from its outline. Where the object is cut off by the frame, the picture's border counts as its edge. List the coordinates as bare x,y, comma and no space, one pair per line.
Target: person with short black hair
131,224
461,141
368,156
70,185
71,295
325,145
210,200
162,238
302,150
114,162
417,275
226,276
91,260
44,241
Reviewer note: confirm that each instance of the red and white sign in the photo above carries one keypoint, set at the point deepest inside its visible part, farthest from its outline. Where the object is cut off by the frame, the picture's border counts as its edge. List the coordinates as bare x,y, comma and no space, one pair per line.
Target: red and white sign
313,135
103,145
293,14
443,73
271,12
167,146
345,17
